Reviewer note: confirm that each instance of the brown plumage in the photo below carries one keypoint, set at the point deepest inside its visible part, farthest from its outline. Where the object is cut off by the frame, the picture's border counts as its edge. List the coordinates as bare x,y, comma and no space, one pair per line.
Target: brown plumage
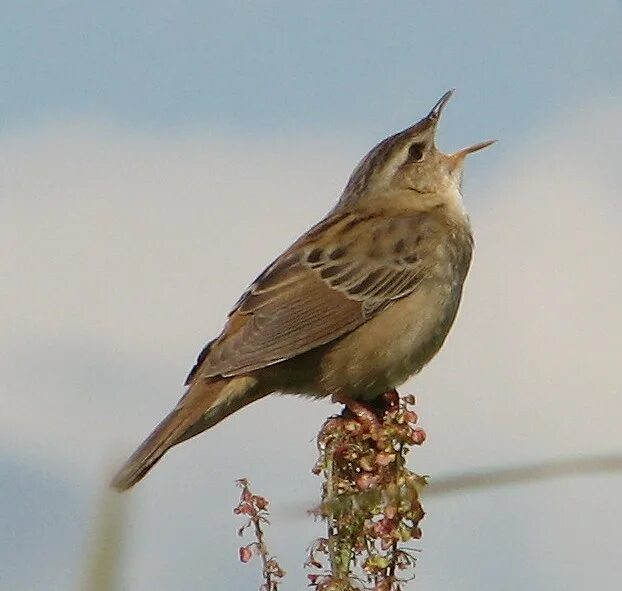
355,306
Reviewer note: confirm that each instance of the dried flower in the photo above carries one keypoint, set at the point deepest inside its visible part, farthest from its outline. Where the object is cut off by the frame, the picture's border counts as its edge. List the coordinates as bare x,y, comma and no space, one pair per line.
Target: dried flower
255,508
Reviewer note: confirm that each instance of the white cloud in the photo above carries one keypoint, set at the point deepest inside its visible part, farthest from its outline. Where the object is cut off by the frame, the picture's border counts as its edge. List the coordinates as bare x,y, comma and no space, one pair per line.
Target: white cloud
122,254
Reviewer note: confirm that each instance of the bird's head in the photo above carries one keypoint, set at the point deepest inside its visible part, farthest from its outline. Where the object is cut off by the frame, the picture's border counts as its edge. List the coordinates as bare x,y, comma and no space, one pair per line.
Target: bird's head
409,163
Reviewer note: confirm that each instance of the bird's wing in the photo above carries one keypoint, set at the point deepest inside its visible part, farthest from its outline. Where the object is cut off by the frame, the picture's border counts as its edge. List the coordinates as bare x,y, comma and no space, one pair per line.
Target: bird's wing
333,279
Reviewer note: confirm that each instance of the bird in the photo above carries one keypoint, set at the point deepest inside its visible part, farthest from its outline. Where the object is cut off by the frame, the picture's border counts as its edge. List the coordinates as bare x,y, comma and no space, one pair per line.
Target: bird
354,307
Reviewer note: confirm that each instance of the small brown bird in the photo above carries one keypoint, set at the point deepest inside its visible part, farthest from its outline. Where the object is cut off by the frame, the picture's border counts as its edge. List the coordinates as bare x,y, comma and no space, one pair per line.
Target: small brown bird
354,307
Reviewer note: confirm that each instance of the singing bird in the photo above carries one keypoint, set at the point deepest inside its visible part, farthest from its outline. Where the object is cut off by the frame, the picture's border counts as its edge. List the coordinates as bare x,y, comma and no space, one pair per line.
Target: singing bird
358,304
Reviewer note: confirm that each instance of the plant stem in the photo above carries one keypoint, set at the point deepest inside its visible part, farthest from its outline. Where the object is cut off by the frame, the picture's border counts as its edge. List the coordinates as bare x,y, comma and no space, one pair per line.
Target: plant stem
263,552
339,553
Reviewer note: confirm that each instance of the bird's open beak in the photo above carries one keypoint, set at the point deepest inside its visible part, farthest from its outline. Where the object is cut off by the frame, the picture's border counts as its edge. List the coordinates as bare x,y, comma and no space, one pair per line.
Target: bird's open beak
438,108
461,154
433,118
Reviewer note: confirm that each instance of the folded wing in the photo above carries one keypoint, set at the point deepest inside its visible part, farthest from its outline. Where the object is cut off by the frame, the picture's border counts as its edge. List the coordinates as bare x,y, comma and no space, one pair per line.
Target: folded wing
332,280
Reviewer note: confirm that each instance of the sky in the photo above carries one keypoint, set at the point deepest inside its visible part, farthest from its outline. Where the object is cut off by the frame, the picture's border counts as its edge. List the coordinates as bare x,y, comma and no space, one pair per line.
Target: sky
157,156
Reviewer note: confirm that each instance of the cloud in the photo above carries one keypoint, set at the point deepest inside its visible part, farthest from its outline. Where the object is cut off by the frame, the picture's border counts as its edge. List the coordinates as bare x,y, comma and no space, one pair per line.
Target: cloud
123,253
124,249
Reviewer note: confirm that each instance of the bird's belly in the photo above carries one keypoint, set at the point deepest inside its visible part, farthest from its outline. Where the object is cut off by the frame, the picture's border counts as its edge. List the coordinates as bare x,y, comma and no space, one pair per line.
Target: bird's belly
384,352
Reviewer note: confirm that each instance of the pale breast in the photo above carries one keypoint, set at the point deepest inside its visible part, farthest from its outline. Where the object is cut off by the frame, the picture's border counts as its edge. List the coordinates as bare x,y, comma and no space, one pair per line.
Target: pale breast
387,350
400,339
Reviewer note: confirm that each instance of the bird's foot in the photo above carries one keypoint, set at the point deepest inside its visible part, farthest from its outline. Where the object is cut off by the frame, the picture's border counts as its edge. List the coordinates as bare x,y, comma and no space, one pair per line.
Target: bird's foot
370,413
365,414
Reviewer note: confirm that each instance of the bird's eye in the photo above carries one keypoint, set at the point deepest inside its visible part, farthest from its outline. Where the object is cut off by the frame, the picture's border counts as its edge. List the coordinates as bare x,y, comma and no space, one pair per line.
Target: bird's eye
415,151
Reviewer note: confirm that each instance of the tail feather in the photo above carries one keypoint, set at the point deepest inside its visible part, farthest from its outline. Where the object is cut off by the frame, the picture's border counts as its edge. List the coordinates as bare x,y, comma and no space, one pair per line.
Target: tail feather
187,419
150,451
205,404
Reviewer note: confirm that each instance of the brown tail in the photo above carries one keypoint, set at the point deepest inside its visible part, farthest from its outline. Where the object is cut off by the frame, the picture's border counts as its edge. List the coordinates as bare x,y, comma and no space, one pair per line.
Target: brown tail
203,405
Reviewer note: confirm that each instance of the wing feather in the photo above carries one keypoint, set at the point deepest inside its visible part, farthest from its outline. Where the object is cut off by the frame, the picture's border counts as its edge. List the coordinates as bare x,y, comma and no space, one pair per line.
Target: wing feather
332,280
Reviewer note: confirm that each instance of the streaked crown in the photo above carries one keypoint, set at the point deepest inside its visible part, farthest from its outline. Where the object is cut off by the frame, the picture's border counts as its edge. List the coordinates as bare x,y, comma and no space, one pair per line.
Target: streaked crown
408,161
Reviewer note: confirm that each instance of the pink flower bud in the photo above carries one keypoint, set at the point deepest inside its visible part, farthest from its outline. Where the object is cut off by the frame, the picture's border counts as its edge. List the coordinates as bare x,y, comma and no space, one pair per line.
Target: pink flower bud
390,512
384,458
260,502
366,481
419,436
245,553
409,399
384,585
410,416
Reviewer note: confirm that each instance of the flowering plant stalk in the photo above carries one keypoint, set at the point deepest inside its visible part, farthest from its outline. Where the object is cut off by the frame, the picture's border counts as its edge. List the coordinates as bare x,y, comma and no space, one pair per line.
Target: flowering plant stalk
370,502
255,508
370,499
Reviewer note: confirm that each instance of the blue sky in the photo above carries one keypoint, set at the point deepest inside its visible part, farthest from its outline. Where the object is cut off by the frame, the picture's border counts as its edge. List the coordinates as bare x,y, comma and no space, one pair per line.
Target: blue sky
277,67
141,140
